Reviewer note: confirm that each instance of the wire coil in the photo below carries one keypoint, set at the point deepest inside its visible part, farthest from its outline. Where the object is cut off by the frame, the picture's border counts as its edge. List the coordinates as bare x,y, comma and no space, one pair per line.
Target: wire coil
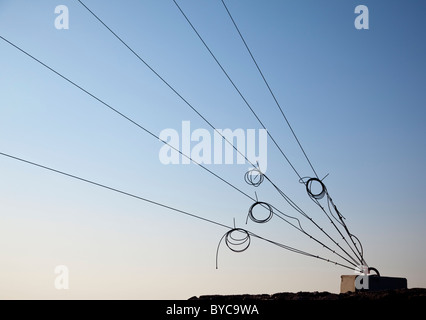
315,195
254,177
264,205
335,214
235,243
237,240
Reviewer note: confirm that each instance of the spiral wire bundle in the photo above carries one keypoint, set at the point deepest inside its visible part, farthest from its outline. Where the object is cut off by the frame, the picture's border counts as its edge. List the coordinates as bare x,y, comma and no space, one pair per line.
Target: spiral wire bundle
236,239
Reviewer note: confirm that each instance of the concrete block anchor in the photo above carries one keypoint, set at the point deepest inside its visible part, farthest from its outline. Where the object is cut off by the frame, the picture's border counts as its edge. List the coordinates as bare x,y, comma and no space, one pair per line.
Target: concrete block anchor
367,282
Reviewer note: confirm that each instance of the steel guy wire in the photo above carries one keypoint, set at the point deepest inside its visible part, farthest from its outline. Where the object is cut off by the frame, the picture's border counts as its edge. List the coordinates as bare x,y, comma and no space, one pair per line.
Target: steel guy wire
298,209
269,88
166,207
324,192
257,117
156,137
238,90
179,95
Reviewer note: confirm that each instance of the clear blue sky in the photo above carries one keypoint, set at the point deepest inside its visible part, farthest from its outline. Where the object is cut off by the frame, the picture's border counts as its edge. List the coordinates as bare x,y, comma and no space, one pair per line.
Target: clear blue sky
356,99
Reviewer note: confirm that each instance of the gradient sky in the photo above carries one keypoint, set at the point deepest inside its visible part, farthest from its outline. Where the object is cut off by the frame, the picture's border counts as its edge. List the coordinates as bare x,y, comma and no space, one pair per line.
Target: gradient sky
356,99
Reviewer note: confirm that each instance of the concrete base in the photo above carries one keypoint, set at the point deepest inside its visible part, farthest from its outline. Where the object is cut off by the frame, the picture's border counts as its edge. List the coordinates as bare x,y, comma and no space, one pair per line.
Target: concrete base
347,283
351,283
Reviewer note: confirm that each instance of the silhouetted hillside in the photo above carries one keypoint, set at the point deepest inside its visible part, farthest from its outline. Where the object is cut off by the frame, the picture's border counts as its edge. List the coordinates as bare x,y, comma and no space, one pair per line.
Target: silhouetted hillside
415,294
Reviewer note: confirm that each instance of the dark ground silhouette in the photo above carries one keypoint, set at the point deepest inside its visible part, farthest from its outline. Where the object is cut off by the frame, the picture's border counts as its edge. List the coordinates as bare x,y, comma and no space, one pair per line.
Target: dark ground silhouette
414,294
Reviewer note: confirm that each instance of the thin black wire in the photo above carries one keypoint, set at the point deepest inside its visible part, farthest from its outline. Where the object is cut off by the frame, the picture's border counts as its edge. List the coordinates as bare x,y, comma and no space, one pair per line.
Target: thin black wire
298,209
329,203
112,189
303,253
195,110
158,138
295,136
129,119
256,220
165,82
238,90
361,259
164,206
269,88
247,178
199,114
135,123
254,177
269,134
234,244
315,197
242,244
125,117
351,235
152,134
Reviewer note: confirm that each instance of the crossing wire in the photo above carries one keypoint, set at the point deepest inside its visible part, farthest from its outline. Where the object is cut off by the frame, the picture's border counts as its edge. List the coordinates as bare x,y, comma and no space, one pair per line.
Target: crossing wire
292,131
292,204
147,131
269,88
165,82
298,209
237,89
158,138
282,216
315,198
190,105
165,206
124,116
